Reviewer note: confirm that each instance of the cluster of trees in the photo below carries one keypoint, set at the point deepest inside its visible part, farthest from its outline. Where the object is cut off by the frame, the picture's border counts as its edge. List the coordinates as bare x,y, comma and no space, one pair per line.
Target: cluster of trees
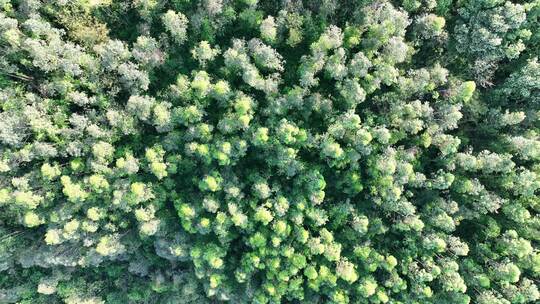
260,151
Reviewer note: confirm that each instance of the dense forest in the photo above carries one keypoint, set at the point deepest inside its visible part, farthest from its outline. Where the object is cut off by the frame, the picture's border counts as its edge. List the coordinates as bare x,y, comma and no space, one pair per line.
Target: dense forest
270,151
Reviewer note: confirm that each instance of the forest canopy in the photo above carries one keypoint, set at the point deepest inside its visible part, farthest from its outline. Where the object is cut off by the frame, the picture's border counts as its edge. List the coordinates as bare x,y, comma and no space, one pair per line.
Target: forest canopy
270,151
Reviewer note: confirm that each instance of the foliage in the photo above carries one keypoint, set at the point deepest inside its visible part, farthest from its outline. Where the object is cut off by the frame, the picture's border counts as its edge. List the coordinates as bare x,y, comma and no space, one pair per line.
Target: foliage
244,151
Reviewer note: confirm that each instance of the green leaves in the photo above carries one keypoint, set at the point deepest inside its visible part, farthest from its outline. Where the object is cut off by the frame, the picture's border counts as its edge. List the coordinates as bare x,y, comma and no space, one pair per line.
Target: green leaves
266,152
